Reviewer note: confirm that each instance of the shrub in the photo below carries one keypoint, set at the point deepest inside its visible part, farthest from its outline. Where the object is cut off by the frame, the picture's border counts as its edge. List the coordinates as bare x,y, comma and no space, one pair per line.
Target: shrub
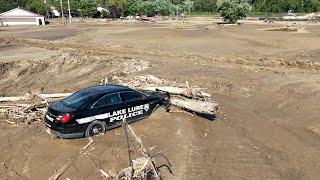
232,12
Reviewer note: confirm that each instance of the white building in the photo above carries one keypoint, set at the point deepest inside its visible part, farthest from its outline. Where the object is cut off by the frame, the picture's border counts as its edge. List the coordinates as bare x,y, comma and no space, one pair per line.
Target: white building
55,12
19,16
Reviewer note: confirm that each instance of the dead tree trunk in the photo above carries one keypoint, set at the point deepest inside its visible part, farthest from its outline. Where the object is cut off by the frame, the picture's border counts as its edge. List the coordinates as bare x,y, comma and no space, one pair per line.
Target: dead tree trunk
203,107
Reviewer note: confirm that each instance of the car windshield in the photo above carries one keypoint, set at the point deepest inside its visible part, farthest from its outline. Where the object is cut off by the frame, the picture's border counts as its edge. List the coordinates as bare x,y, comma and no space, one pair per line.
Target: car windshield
78,99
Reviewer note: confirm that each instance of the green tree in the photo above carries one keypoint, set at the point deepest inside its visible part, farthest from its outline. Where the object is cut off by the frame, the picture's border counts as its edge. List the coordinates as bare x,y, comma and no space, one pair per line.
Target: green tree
36,6
104,13
6,5
147,8
205,5
116,8
188,6
282,6
162,6
88,8
133,7
102,3
232,12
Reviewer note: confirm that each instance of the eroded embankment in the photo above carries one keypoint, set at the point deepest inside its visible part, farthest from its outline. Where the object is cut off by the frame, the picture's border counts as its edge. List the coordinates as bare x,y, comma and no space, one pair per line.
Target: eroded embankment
76,65
67,70
124,52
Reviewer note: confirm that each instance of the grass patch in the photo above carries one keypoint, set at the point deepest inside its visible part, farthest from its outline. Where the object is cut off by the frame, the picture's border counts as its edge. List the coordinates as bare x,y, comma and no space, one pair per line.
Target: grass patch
285,29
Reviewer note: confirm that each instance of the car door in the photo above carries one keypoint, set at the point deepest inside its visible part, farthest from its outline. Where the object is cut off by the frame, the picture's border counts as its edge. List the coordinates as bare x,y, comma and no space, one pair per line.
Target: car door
111,109
136,104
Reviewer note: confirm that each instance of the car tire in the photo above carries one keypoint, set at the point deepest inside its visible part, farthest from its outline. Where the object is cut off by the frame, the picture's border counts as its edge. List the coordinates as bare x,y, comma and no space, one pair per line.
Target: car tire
167,108
96,128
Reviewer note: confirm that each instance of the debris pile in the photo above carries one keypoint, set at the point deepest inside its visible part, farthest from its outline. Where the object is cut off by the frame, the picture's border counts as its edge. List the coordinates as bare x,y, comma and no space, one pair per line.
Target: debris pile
22,113
183,95
142,167
135,66
32,107
26,109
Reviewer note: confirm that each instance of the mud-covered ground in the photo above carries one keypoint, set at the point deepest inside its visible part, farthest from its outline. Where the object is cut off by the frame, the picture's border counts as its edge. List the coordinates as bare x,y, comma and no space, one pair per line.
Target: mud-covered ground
266,82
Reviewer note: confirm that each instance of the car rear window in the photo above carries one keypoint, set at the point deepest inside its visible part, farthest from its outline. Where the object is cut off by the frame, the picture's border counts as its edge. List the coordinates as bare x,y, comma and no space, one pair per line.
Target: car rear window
108,100
78,99
130,96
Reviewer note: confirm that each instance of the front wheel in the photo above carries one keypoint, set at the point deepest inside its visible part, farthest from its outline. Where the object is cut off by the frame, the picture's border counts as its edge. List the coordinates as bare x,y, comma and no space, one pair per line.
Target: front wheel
96,128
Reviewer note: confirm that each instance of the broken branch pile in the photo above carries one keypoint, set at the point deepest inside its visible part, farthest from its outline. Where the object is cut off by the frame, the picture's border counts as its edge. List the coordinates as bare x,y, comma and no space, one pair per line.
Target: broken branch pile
27,108
142,167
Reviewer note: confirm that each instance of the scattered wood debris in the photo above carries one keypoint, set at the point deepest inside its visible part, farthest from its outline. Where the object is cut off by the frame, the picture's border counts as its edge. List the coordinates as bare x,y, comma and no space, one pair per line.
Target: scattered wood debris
32,107
89,144
27,108
60,171
135,66
143,167
182,94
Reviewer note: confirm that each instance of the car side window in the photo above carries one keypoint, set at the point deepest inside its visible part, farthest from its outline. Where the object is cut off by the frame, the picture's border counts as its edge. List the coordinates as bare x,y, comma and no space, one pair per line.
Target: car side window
108,100
130,96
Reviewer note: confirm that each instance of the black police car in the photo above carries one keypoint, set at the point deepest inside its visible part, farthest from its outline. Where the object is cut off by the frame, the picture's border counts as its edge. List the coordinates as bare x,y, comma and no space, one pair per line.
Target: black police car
93,110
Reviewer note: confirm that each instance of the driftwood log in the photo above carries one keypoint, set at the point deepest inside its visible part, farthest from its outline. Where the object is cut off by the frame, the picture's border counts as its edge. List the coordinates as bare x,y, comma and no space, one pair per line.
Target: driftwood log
172,90
29,96
202,107
184,96
11,99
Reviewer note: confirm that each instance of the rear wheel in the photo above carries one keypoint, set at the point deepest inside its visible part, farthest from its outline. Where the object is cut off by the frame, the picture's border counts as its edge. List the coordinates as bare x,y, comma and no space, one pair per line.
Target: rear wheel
96,128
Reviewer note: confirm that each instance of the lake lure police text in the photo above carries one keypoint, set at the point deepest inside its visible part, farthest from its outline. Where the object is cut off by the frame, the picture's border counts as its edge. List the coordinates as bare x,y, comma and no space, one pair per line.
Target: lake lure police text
118,114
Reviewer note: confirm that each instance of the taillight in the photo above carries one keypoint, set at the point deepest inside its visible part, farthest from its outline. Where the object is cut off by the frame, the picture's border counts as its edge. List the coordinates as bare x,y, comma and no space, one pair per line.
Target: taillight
64,118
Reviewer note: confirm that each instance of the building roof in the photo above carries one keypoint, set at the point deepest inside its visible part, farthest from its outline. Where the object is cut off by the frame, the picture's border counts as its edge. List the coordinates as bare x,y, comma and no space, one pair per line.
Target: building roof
19,13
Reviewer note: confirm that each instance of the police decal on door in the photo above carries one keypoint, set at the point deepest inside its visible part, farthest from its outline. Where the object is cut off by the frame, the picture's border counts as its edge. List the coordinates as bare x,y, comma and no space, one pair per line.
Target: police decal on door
127,113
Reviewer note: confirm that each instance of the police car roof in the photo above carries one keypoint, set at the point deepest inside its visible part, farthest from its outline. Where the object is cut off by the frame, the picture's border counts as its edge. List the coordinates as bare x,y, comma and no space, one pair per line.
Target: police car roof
104,89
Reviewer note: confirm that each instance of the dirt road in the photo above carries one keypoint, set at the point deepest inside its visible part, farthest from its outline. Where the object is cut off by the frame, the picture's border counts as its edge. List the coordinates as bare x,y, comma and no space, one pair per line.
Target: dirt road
267,84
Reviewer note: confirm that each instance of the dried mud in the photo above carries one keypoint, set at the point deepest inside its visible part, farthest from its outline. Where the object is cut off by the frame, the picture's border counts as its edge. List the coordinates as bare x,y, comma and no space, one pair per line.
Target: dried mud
267,84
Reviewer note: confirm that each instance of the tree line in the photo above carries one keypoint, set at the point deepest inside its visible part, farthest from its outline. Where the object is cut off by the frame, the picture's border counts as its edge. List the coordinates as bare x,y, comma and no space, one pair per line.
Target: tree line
87,8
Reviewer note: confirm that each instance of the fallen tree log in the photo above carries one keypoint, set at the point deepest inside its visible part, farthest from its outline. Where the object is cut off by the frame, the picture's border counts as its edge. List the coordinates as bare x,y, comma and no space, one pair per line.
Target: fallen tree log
55,95
11,99
203,107
14,105
28,96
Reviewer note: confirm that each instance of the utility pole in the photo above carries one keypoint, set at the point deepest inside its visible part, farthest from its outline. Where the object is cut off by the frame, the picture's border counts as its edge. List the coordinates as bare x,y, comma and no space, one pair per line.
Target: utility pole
69,11
62,14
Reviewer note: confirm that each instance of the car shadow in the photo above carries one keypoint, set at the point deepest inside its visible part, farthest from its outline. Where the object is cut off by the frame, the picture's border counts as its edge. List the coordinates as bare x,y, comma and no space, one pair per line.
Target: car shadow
207,116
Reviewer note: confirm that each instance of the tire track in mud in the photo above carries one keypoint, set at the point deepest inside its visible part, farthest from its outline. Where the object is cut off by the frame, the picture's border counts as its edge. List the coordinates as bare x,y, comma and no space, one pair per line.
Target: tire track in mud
185,134
289,156
17,152
222,152
172,134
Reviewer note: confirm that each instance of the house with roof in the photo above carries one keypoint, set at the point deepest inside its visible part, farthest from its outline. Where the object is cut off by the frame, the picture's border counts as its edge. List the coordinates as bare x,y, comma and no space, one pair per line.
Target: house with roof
20,16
